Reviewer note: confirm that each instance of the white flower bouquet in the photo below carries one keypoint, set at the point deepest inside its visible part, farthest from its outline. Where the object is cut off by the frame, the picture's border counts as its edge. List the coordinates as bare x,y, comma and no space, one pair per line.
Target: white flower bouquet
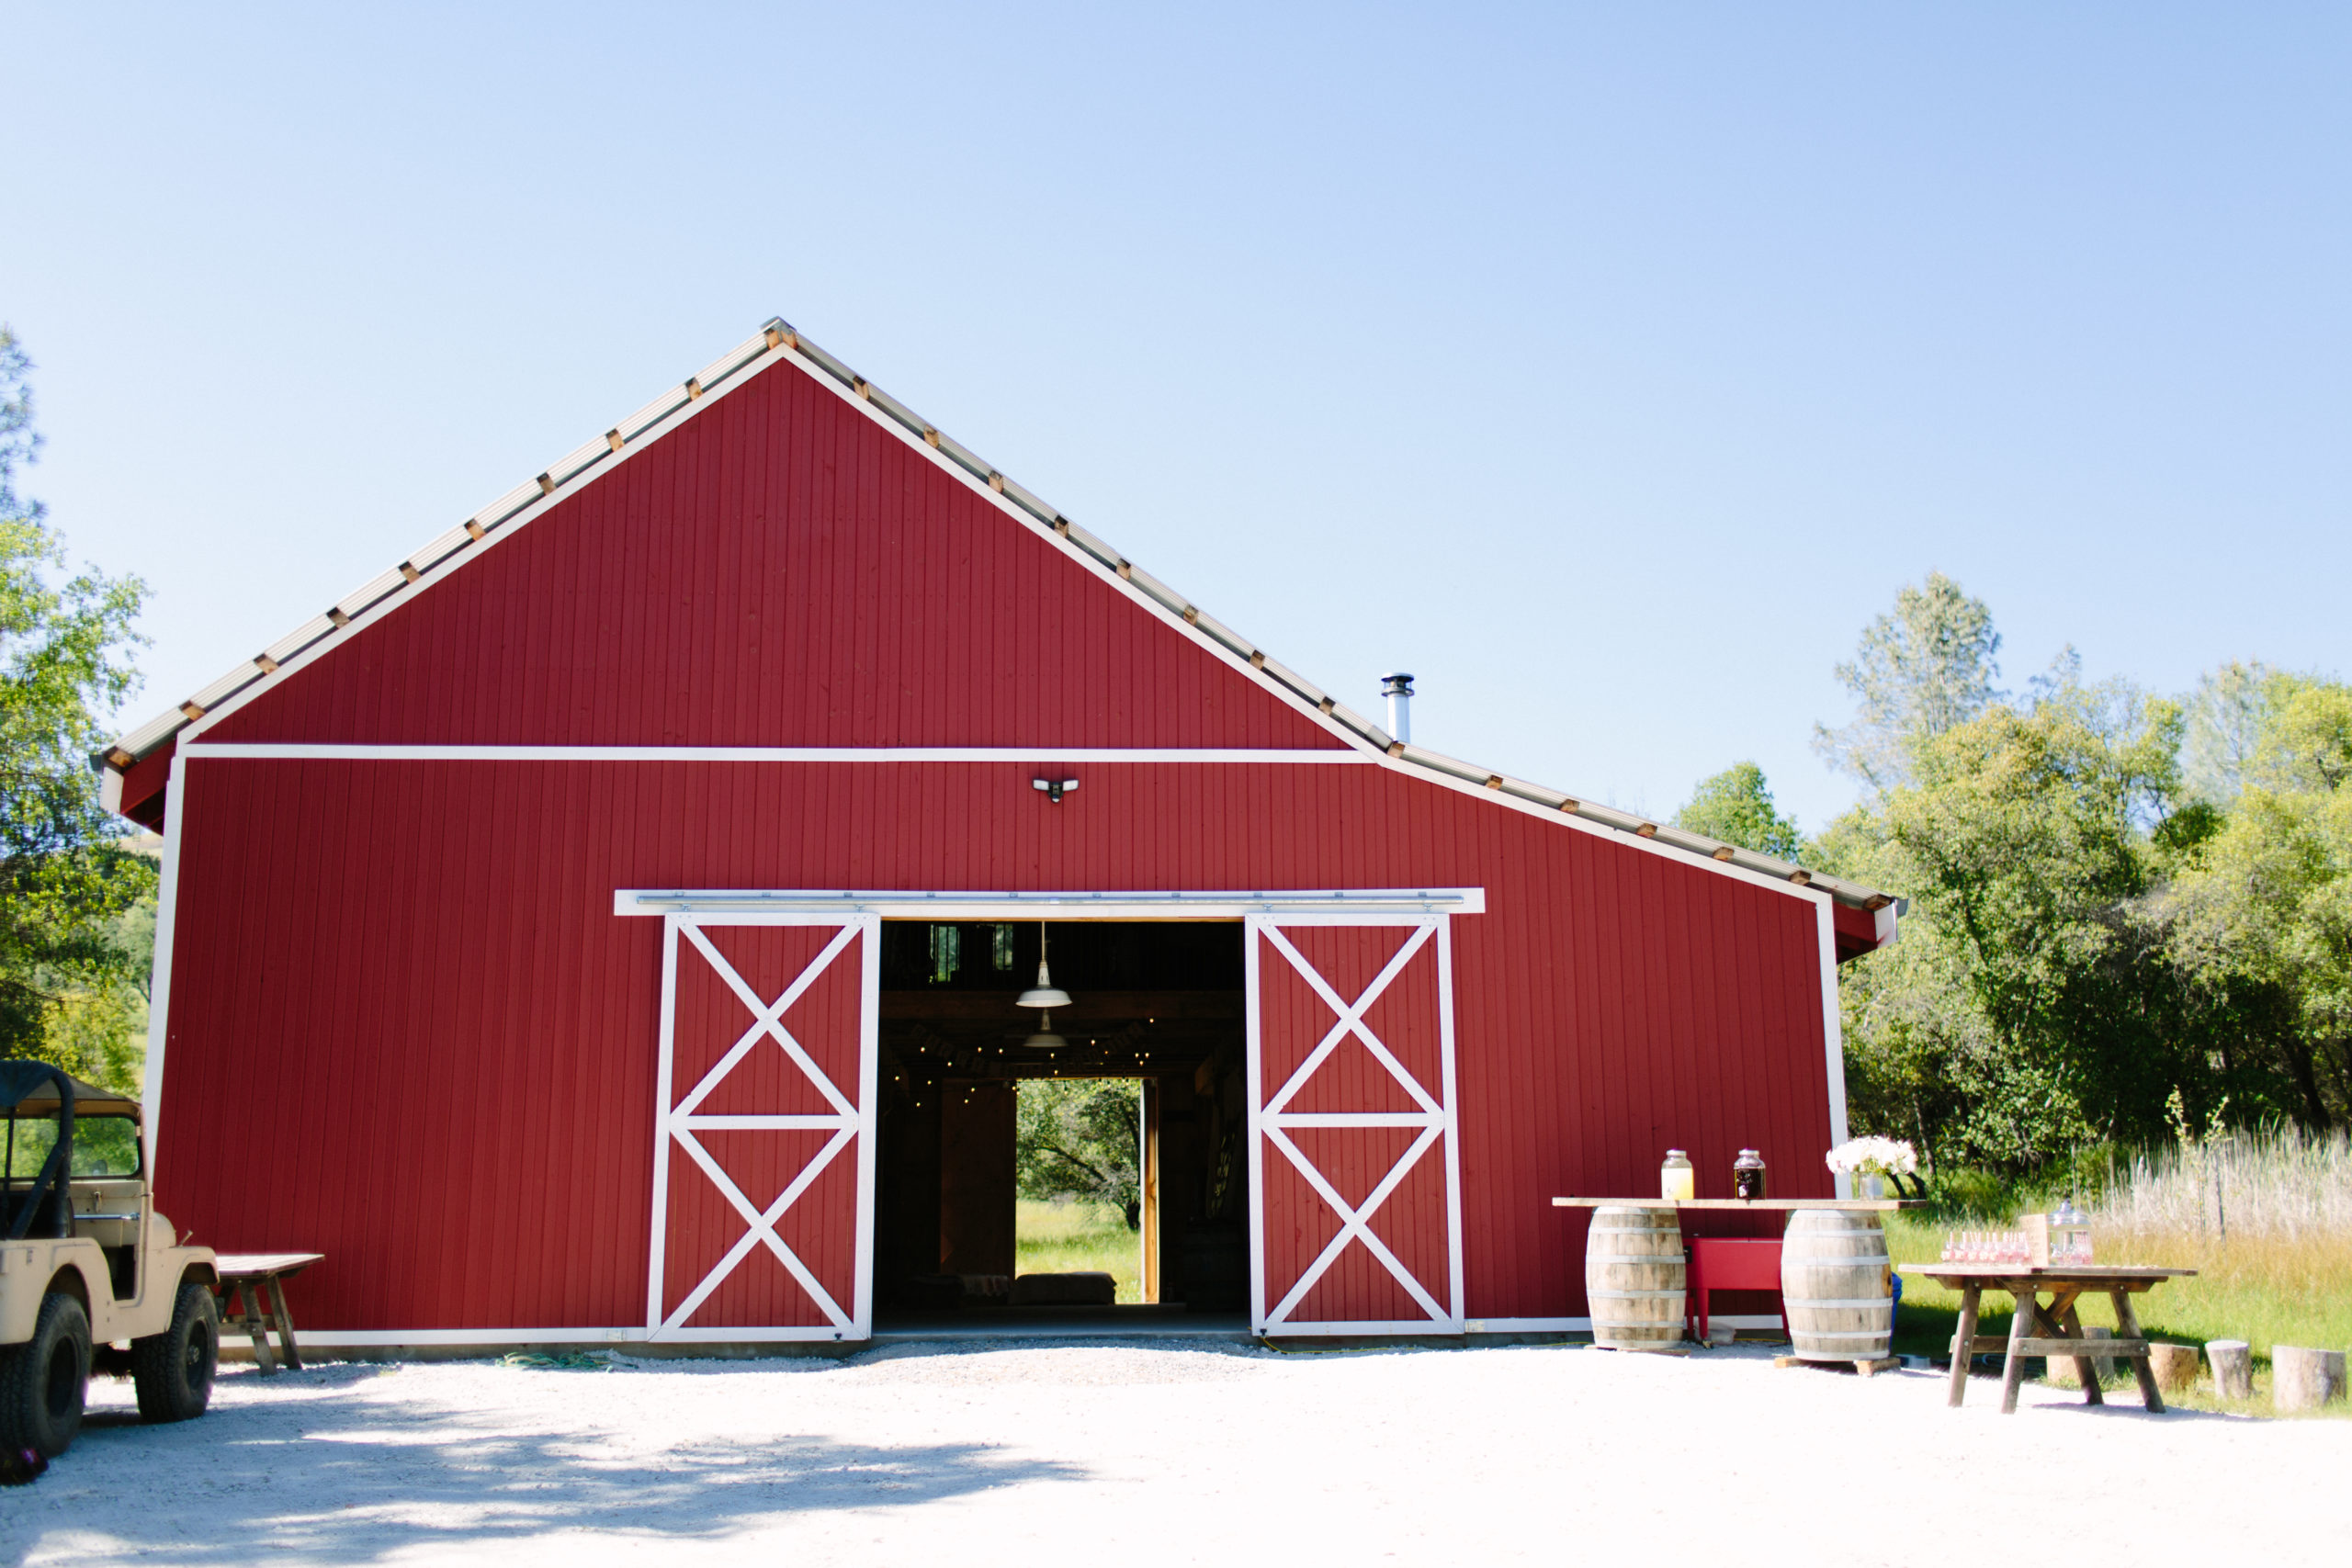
1873,1156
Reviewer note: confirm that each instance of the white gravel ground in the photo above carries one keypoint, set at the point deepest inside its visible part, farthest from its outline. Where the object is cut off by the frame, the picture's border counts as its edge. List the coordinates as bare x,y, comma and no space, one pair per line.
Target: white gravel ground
1117,1454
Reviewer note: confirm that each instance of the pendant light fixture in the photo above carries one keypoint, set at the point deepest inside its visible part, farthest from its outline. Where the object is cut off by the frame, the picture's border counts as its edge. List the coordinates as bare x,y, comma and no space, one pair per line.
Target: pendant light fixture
1043,996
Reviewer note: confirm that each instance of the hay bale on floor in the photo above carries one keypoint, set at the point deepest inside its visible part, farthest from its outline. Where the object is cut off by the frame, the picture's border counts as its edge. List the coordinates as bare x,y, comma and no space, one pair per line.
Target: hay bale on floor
1084,1290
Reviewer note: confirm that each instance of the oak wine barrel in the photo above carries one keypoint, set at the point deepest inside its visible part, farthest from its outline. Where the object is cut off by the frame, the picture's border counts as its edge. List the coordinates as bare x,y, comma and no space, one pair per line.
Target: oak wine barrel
1634,1278
1835,1287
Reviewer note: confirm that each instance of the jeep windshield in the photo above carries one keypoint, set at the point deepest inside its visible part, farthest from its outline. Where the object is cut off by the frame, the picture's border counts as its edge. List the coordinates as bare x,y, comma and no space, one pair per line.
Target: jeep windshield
103,1146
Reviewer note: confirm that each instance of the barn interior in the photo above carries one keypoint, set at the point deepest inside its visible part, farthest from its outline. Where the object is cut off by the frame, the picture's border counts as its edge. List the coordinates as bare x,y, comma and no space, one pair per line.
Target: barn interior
1160,1002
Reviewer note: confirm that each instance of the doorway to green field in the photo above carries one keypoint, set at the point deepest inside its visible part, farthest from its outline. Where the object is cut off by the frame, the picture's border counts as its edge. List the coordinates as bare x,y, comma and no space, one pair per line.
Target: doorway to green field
1077,1168
1063,1147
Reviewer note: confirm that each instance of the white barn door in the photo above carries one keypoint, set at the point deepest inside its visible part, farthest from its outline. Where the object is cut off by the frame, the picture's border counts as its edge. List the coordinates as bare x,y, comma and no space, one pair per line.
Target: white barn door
763,1138
1356,1211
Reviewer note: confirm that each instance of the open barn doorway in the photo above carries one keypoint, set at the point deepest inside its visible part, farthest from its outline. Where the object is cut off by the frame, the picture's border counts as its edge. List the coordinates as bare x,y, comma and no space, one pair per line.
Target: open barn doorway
972,1083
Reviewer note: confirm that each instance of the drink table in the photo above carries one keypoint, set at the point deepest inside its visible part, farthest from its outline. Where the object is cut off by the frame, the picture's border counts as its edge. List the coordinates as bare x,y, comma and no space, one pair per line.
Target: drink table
1639,1286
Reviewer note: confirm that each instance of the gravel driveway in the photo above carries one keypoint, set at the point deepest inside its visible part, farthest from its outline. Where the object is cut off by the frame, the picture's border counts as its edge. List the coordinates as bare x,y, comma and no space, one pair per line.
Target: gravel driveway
1117,1454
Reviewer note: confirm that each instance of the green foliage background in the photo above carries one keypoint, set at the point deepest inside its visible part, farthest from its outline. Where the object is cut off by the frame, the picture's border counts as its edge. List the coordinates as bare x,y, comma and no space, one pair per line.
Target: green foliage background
1081,1138
2123,908
74,945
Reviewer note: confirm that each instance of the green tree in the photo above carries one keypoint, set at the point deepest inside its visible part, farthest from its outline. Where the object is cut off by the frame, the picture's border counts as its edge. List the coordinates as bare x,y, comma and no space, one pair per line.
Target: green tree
2224,726
1920,671
67,882
2035,1000
2017,843
2259,914
1081,1138
1737,807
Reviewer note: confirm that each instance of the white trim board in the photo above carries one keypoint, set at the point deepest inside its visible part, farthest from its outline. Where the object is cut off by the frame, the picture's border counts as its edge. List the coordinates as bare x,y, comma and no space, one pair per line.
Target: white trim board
159,986
1833,1035
271,750
1346,904
393,1338
1584,1325
358,1338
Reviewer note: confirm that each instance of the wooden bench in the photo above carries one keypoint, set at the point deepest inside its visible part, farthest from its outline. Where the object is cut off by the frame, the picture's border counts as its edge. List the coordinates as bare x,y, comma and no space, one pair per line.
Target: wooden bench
252,1292
1721,1263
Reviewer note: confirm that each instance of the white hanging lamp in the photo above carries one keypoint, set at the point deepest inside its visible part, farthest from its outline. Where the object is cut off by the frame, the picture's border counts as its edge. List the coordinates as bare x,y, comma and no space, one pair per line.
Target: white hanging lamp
1043,996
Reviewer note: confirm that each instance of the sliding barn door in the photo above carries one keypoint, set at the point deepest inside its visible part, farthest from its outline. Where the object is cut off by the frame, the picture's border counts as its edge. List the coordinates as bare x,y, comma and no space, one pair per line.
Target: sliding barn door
1356,1219
764,1152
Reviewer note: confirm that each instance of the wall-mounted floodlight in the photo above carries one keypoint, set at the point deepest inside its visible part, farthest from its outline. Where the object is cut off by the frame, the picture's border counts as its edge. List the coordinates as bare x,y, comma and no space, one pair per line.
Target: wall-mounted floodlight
1054,788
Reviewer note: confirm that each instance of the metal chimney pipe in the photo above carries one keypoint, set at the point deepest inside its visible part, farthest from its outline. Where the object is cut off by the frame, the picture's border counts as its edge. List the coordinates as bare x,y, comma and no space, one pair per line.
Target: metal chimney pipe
1398,689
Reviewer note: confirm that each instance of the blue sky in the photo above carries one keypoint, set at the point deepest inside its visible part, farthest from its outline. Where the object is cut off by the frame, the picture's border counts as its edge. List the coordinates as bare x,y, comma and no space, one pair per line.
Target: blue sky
1607,366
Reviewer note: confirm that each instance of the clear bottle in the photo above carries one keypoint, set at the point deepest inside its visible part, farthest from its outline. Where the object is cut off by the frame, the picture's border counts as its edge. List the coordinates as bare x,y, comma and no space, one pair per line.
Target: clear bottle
1676,1179
1748,1175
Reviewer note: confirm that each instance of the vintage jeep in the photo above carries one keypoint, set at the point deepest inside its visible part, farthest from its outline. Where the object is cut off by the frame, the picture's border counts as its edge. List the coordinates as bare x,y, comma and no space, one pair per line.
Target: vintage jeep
85,1262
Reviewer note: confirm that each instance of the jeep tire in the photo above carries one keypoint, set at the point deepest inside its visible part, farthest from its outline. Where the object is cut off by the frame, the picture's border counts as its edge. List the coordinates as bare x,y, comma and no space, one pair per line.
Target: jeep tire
173,1371
44,1380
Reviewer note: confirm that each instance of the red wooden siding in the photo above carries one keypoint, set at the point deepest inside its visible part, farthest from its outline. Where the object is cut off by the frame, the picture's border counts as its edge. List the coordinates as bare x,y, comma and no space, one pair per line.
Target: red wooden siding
406,1029
780,571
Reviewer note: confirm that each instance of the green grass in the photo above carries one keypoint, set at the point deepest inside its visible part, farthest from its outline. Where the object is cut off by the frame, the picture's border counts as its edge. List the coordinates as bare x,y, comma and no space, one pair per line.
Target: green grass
1068,1236
2263,1290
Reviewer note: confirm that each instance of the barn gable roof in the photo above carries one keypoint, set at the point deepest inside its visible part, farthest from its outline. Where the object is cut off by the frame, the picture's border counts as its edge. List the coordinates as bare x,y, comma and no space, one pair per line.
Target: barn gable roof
152,742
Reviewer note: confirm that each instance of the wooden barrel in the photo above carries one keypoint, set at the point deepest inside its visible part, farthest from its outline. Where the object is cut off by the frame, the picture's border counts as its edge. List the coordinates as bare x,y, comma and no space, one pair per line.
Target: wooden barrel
1633,1277
1834,1286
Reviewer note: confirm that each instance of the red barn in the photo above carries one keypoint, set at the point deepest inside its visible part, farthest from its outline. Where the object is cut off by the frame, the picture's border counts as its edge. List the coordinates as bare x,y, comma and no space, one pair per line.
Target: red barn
606,924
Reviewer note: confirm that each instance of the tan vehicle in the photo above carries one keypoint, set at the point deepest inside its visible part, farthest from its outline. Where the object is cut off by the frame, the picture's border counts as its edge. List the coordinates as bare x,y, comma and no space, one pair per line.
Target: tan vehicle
88,1265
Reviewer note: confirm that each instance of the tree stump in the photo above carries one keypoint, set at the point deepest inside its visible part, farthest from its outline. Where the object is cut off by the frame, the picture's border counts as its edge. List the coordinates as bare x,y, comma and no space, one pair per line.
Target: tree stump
2304,1379
2175,1365
2233,1364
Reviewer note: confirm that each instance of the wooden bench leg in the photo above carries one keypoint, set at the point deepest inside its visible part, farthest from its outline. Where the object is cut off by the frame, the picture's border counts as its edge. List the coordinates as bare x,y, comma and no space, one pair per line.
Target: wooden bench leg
241,1308
285,1322
2013,1368
1964,1347
2127,1327
2070,1327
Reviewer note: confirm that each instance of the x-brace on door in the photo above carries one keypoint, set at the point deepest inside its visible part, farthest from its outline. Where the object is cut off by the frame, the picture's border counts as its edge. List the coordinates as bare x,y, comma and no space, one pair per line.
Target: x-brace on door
1356,1219
763,1145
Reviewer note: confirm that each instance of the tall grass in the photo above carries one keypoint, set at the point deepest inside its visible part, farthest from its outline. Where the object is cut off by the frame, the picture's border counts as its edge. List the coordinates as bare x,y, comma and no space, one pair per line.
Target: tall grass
2277,1184
1071,1235
2265,1219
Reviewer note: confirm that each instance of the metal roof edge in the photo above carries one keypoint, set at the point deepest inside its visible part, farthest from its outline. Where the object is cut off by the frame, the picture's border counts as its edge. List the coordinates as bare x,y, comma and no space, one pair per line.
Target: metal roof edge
1663,834
457,545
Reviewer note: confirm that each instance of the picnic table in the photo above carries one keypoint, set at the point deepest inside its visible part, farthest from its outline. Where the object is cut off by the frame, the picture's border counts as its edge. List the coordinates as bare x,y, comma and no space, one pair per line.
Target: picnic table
252,1292
2063,1284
